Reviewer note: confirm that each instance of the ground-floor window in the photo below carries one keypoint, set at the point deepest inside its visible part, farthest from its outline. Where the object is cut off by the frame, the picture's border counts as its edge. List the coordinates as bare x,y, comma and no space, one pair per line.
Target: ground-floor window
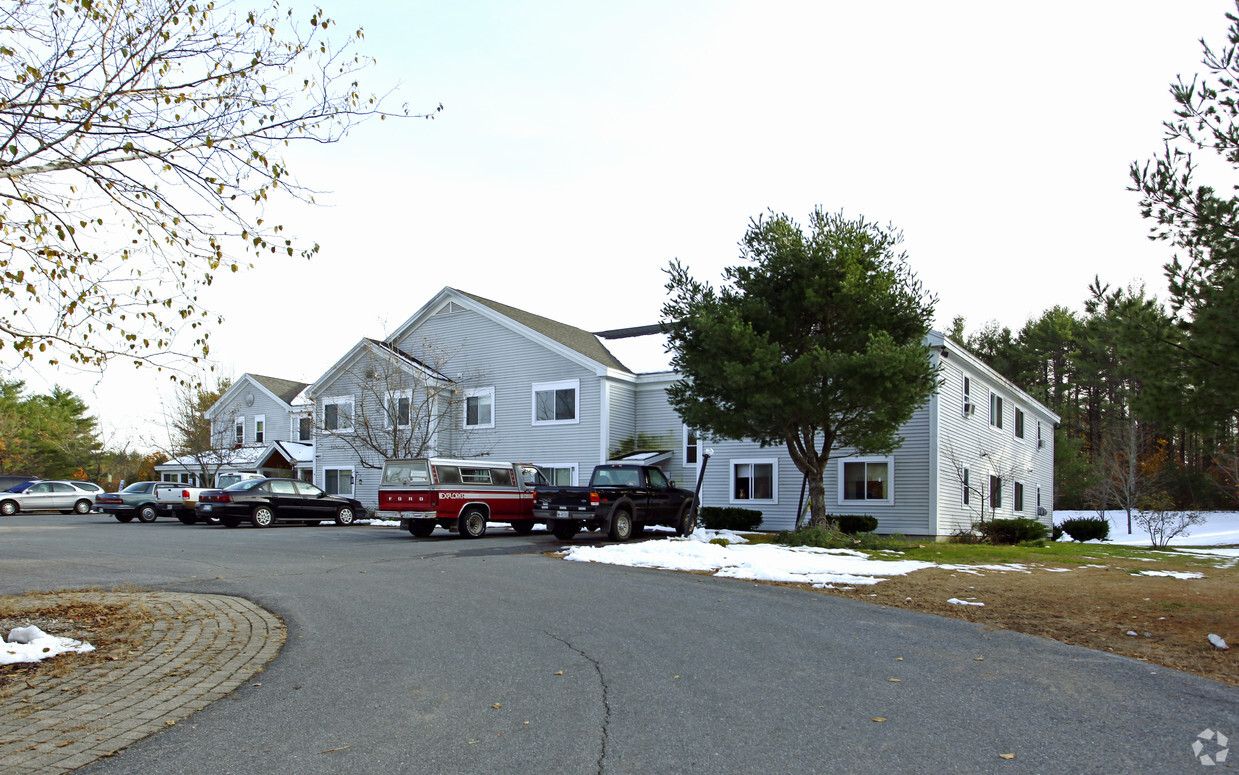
867,480
338,481
754,481
1017,500
562,474
995,492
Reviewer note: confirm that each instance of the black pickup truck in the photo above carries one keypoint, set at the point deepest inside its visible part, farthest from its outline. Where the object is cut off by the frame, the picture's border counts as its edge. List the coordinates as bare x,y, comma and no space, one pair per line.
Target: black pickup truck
621,499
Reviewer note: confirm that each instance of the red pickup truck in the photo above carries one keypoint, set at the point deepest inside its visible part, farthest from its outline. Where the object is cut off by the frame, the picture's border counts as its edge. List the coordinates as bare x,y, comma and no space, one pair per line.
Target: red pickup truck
459,495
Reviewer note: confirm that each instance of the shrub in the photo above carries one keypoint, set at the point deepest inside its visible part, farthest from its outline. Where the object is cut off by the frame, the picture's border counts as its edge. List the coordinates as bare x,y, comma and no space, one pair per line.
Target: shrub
1086,528
856,523
730,518
1162,524
720,541
818,535
1056,532
1012,531
966,536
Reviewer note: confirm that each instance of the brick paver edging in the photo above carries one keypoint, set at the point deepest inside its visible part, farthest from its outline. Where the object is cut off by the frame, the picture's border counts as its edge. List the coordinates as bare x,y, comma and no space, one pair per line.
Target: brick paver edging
195,650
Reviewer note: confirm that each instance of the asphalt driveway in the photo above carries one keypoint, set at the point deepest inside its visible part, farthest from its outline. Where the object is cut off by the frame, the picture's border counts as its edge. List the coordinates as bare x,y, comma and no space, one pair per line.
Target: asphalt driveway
448,655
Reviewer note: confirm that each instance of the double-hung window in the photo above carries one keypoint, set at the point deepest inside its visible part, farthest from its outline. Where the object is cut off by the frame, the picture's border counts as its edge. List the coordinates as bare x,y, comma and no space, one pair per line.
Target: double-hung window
1019,423
555,403
867,480
1017,498
239,431
690,446
995,492
995,410
338,413
260,429
480,408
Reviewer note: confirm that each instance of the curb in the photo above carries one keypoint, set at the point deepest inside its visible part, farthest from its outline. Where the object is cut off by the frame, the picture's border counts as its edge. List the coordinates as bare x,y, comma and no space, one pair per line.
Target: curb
196,650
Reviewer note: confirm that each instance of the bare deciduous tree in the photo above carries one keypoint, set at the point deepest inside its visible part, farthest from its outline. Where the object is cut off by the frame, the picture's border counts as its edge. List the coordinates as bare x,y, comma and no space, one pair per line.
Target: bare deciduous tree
141,141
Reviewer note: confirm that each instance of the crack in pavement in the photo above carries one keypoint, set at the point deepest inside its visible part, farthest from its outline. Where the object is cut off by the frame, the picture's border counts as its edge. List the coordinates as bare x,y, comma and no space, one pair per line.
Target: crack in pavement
606,704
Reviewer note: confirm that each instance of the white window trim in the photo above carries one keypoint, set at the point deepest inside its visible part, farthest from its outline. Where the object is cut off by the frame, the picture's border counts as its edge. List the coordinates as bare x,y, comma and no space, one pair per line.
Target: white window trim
576,470
490,392
387,416
995,417
684,449
965,497
1002,485
774,481
240,423
541,387
351,412
889,500
1018,508
260,419
1018,433
969,407
352,476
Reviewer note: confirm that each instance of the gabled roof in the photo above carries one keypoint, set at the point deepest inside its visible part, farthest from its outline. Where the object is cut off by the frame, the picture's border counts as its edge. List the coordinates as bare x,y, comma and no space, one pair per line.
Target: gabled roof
286,390
374,346
283,390
571,342
572,337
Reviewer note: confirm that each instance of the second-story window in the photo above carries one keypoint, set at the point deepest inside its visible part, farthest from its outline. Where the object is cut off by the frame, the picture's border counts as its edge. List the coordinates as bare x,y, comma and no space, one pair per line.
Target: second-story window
260,429
239,430
555,402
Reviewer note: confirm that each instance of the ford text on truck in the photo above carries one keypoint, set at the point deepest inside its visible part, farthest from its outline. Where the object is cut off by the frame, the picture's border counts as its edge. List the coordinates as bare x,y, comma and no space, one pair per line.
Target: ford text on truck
621,499
459,495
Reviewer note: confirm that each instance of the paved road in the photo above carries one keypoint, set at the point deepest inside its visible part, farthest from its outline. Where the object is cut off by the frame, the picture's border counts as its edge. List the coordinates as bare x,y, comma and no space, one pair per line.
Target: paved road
446,655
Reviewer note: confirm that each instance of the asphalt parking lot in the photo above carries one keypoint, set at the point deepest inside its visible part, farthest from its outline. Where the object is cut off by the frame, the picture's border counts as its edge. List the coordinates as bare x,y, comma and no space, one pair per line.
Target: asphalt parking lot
450,655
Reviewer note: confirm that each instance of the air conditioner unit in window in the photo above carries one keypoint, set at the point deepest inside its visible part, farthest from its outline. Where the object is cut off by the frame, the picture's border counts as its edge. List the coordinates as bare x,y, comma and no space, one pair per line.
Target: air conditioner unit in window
968,408
1040,443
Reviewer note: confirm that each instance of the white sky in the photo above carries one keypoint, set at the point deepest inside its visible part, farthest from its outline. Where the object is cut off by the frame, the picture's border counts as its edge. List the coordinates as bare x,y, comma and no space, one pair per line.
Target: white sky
583,146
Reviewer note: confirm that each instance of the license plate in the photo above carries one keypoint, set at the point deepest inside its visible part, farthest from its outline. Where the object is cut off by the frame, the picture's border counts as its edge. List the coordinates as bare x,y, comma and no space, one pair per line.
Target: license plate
562,513
206,507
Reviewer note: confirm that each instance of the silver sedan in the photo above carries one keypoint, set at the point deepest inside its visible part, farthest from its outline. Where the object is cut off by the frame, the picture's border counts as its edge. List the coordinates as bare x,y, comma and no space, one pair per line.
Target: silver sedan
65,497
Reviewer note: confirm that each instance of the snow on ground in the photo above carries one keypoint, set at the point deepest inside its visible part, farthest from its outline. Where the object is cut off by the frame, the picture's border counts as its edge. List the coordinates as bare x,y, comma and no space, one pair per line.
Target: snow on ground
757,562
1220,528
30,644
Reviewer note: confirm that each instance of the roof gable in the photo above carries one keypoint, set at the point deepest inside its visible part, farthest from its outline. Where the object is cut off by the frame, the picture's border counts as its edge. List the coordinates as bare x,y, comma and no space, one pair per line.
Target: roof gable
576,343
374,346
282,390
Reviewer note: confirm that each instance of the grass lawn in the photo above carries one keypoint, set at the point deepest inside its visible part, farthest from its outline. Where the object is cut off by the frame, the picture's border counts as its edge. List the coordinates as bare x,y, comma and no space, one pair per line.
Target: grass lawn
1084,594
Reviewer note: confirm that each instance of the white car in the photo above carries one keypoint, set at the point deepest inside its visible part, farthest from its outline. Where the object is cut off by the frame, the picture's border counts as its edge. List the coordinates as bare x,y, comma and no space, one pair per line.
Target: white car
65,497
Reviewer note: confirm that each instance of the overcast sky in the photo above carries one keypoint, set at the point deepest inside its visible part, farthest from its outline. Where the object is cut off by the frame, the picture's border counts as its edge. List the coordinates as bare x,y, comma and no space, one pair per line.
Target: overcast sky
583,146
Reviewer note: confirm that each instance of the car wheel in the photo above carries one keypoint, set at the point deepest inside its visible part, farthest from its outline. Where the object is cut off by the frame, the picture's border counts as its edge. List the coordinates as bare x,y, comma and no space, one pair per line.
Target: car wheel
123,517
147,513
421,528
472,524
229,521
345,516
685,523
565,529
263,516
82,507
523,527
187,519
8,508
621,526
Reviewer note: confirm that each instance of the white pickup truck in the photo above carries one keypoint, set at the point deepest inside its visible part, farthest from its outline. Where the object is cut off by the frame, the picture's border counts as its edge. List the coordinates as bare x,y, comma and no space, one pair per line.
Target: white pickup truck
178,501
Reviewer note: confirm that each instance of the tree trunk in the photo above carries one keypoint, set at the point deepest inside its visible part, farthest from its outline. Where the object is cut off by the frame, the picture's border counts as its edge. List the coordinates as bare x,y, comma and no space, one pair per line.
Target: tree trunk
817,500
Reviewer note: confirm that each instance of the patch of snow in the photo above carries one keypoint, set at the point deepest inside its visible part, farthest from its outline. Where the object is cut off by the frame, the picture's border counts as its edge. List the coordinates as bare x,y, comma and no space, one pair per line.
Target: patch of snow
753,562
30,644
1174,574
1219,529
957,601
1216,640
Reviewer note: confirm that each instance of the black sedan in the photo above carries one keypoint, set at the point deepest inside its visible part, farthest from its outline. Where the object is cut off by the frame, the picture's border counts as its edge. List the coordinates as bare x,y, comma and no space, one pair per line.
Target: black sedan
264,501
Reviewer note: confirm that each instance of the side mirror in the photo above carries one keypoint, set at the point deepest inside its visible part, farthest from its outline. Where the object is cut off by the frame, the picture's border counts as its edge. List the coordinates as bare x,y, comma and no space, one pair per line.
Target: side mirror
671,483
